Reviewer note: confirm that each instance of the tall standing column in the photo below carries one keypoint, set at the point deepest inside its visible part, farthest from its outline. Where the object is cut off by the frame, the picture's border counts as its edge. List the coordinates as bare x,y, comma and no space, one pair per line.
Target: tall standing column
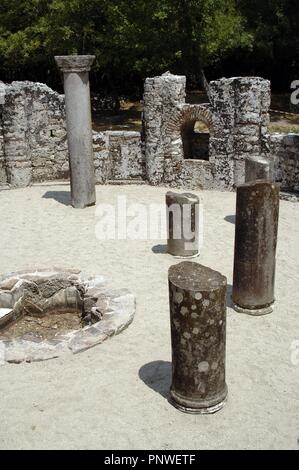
79,132
182,224
255,247
258,168
197,299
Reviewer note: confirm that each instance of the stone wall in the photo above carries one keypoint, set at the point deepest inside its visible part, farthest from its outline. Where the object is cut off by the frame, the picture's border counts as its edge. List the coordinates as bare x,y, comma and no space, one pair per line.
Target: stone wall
162,96
3,173
241,105
285,150
118,157
237,118
33,145
33,132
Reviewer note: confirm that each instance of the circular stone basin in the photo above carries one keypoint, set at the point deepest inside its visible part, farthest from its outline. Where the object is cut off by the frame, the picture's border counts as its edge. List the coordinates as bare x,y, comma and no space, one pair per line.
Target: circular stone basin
58,298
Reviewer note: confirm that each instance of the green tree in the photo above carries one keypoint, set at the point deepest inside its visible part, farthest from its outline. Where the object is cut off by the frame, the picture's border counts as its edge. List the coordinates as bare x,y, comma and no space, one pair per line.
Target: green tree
131,39
274,25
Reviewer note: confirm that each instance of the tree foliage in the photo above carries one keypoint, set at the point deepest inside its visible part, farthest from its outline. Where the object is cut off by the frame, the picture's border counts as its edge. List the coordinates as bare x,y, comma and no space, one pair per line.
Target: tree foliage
134,39
274,25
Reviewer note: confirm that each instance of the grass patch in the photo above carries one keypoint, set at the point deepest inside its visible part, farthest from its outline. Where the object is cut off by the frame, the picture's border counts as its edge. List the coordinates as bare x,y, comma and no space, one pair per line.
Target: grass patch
283,129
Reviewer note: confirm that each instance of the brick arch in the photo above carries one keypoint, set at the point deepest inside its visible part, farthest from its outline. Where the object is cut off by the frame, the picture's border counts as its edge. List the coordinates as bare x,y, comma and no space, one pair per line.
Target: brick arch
189,113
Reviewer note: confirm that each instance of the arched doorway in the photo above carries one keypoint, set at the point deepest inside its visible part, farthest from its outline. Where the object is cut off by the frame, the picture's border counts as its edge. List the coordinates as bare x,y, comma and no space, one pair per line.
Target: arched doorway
188,153
195,137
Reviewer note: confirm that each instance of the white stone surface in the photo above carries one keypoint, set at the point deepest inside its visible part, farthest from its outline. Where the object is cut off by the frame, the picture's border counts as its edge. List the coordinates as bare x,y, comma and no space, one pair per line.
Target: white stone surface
4,312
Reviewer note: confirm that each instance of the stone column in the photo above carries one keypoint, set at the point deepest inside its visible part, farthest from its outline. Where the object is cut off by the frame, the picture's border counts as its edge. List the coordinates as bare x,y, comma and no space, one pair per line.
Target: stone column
258,168
79,132
255,247
182,215
197,298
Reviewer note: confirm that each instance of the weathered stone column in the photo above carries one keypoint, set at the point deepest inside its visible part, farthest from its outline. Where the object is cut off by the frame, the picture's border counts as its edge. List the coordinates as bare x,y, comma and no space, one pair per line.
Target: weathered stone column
79,132
255,247
258,168
182,215
197,299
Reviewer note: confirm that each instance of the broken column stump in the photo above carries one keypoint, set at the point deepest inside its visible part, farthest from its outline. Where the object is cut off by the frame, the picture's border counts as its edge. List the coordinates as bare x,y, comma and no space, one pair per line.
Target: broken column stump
182,215
258,168
255,247
197,299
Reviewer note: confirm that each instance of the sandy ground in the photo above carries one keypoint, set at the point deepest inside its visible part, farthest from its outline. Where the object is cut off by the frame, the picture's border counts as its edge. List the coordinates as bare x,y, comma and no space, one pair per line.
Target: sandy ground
114,396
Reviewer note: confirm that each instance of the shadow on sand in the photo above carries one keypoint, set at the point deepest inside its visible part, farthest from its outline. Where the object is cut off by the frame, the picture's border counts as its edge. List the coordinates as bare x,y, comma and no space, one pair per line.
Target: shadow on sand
63,197
159,249
229,290
157,376
230,218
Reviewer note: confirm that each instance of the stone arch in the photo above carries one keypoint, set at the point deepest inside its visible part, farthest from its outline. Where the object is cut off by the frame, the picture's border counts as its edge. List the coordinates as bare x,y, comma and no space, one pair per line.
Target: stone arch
187,114
182,123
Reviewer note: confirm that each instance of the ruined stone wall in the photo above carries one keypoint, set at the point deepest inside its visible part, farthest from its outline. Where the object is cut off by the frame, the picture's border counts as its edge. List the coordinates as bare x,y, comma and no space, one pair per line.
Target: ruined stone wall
34,135
33,143
3,174
162,96
285,151
101,157
241,105
237,118
118,157
178,171
165,113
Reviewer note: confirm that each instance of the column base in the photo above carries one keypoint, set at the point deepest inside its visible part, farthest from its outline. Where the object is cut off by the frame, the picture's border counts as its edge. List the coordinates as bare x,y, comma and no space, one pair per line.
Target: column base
254,312
198,411
185,257
206,408
81,206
